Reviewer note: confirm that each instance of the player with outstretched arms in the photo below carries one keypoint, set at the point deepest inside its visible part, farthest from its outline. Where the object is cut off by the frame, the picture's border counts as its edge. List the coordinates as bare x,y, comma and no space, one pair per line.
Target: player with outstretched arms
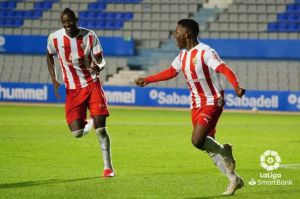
201,67
81,59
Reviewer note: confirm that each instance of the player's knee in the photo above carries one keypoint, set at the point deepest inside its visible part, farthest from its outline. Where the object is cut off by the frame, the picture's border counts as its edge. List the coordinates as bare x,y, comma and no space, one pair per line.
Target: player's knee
78,133
101,131
198,143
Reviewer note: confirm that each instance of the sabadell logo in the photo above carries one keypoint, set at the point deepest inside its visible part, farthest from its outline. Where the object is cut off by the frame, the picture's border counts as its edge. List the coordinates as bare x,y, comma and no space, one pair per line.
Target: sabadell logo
270,160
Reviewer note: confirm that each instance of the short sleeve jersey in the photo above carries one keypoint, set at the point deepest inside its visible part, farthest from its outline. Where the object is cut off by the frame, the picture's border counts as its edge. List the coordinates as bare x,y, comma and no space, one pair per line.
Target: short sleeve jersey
75,55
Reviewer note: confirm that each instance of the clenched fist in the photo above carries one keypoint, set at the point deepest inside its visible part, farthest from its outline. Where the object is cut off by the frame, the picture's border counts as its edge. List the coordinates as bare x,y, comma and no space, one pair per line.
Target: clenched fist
140,82
239,91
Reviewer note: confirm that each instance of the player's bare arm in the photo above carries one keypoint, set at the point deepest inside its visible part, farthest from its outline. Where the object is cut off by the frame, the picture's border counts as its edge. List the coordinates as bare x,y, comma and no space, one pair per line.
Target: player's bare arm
51,65
97,65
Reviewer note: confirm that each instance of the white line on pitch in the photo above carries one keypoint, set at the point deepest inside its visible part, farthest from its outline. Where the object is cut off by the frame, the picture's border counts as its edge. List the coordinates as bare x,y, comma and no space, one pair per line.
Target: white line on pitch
290,166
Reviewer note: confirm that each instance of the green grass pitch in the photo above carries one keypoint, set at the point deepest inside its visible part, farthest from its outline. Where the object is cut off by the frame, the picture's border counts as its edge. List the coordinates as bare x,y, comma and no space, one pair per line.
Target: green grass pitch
152,155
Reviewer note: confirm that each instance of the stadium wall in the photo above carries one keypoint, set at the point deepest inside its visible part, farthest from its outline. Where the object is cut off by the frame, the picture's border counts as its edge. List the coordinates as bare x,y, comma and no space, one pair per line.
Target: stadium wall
154,97
118,46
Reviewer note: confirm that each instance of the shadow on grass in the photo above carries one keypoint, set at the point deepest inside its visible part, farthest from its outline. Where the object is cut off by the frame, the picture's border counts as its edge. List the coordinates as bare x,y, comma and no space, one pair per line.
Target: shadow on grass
256,194
207,197
40,182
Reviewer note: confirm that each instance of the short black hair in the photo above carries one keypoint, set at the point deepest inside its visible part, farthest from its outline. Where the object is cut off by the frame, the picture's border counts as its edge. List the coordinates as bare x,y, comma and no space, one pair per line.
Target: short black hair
70,12
191,25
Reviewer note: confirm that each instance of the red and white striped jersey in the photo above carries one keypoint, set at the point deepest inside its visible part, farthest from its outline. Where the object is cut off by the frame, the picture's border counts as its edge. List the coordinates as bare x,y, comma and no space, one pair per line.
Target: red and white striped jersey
75,55
199,68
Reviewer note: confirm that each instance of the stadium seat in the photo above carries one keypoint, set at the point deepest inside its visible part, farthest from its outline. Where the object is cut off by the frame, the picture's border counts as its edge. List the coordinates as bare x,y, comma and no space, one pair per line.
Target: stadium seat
83,23
19,14
282,17
97,6
127,15
111,16
293,27
100,25
293,7
101,15
91,15
83,15
43,5
273,27
8,5
282,27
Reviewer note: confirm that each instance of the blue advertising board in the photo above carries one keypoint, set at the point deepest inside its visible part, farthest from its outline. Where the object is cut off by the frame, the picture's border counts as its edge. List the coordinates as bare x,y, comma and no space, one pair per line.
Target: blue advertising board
155,97
119,46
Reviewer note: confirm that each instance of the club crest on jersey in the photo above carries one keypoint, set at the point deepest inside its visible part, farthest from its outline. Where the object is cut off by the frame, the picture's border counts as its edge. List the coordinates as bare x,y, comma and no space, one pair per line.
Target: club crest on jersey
83,46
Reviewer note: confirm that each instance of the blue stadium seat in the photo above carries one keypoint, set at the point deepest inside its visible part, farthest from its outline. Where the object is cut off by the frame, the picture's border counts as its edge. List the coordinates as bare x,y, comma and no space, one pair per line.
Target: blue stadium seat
273,27
43,5
10,13
292,17
293,7
19,14
119,24
114,25
32,14
100,25
293,27
8,5
91,15
111,16
83,15
3,13
96,6
282,17
91,24
101,15
283,27
18,22
128,15
11,22
2,22
82,23
288,21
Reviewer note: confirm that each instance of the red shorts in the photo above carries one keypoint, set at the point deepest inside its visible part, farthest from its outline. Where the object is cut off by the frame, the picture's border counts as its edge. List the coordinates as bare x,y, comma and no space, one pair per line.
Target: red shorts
79,100
207,116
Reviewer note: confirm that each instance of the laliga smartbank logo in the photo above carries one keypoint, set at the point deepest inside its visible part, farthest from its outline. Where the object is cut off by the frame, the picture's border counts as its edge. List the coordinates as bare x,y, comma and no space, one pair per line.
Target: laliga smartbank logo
270,162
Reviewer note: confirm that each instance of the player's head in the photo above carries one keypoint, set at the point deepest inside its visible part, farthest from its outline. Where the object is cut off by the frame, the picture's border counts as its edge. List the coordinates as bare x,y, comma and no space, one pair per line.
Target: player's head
69,21
186,29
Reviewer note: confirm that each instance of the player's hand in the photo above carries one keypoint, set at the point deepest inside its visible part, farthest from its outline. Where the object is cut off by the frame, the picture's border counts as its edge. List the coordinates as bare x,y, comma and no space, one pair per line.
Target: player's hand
140,82
56,85
94,68
239,91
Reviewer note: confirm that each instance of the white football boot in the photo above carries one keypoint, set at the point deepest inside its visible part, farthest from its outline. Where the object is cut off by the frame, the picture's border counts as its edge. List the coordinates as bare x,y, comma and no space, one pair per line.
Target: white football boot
233,186
229,163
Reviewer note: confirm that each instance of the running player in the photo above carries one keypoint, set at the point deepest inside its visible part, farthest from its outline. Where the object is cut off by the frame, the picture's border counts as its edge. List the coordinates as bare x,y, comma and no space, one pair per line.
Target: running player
81,60
202,67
